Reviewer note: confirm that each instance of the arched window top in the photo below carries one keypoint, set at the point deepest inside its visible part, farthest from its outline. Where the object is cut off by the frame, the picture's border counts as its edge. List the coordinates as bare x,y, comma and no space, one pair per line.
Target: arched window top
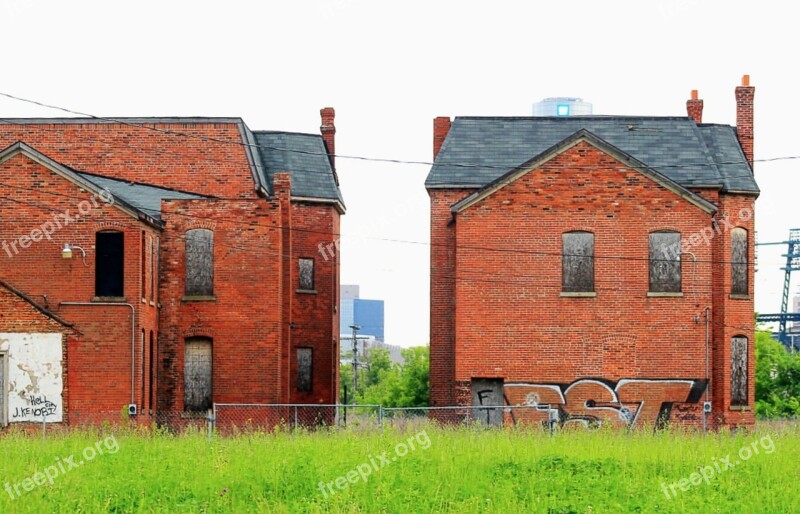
740,281
199,262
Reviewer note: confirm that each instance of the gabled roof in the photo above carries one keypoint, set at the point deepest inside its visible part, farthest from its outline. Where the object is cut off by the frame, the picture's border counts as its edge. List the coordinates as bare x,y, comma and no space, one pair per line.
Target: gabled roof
562,146
78,179
305,158
478,150
28,299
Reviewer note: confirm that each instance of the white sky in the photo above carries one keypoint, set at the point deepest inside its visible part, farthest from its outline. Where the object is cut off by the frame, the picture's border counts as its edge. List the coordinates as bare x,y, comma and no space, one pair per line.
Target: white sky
390,68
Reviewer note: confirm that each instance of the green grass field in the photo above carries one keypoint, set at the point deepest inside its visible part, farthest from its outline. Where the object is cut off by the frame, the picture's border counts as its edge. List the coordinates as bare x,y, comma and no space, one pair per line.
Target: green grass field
454,470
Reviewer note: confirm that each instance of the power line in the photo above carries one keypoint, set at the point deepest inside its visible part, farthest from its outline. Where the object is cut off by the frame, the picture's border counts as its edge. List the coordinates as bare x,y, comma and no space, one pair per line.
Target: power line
506,167
239,221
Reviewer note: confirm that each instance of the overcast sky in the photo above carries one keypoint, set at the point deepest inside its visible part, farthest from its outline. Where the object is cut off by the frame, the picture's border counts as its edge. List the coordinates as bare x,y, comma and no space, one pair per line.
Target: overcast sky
390,68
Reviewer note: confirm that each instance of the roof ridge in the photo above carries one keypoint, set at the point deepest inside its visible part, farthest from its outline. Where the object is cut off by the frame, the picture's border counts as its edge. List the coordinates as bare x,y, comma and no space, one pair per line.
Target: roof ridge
286,132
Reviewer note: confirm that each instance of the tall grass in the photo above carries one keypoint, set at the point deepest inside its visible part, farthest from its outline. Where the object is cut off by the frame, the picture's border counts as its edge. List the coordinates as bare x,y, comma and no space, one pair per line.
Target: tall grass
462,470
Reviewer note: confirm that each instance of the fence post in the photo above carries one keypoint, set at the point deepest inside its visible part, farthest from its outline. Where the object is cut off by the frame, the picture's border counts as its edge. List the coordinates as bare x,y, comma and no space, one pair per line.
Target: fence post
380,415
295,416
210,421
44,425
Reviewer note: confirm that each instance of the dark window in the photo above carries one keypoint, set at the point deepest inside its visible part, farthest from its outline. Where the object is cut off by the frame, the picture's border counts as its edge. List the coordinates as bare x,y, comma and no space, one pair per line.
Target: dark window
578,262
109,276
306,274
739,371
739,273
197,375
155,268
199,262
304,367
665,262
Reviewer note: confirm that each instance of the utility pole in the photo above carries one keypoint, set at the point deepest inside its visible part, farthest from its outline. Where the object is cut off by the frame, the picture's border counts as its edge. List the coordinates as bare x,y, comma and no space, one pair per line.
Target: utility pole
355,328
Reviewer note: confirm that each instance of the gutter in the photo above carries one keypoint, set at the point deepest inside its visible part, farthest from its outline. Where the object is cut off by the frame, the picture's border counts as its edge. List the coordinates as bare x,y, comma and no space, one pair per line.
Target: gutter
133,335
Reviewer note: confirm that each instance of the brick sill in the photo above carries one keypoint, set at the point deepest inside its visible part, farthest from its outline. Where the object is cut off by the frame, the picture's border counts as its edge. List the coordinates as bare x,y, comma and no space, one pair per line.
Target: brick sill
578,295
211,298
741,408
739,296
664,295
110,299
306,291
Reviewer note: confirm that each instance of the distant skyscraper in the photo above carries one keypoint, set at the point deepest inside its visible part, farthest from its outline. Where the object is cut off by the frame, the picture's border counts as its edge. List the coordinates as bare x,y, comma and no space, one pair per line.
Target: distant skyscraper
368,314
562,107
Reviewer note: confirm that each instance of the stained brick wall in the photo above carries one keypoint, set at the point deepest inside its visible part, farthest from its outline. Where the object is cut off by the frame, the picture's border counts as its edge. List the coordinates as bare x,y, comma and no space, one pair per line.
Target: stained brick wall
255,300
497,309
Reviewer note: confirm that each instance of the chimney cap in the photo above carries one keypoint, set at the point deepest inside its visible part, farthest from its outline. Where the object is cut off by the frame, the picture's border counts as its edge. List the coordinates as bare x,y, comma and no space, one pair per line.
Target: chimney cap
745,80
694,94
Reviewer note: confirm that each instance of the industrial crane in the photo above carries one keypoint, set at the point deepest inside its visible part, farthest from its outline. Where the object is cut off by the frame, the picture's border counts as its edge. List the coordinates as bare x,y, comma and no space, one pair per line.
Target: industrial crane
792,264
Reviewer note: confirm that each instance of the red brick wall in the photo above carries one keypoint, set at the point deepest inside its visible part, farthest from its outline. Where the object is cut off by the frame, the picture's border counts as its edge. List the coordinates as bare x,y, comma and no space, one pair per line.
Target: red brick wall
442,336
511,321
315,315
184,162
732,316
244,319
99,364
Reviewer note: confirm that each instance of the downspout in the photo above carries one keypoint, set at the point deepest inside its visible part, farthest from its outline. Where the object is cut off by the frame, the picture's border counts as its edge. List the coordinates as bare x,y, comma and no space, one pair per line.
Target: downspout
133,336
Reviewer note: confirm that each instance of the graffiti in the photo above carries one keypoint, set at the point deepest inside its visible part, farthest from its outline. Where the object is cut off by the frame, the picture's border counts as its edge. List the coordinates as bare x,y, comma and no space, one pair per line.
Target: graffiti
592,402
38,407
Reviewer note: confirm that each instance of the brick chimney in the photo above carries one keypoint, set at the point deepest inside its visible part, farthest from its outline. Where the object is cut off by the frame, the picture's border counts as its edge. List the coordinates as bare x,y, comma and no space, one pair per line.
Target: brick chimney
744,117
441,126
694,107
328,130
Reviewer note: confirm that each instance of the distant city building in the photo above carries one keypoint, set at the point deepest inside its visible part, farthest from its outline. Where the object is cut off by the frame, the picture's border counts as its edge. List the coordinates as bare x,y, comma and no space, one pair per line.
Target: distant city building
365,344
562,107
368,314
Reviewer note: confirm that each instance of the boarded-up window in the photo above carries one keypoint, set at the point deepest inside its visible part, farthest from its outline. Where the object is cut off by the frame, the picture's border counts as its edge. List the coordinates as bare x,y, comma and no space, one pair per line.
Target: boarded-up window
306,274
665,262
2,390
109,272
739,370
304,367
487,393
199,262
578,262
739,281
197,375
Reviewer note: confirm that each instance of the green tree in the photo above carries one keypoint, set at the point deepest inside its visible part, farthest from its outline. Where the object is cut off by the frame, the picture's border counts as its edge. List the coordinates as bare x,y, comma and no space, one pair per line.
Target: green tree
777,379
381,382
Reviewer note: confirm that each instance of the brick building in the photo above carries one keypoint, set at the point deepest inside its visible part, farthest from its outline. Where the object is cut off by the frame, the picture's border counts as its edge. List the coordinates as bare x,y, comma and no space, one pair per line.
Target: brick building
160,265
598,267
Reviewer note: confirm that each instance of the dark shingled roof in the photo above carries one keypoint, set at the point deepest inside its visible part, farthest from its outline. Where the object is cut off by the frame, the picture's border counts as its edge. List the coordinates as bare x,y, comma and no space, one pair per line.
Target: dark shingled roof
143,197
304,157
478,150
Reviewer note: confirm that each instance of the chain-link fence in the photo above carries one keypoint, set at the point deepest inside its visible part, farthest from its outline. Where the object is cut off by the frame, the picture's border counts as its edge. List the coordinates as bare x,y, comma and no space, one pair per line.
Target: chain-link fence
484,416
234,418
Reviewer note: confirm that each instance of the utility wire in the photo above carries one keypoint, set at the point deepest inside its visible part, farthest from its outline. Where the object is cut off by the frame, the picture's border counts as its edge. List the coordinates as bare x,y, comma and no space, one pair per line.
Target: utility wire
506,167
